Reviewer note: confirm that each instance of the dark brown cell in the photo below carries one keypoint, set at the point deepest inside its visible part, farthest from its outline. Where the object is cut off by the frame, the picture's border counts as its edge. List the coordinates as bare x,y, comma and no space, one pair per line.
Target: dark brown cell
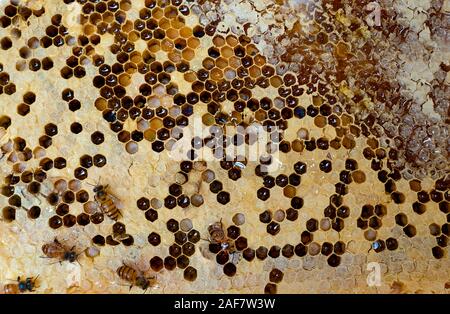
297,202
52,198
143,203
223,197
97,137
9,213
438,252
334,260
222,257
241,243
23,109
229,269
273,228
233,232
300,249
7,190
269,181
306,237
274,251
375,222
46,164
436,196
188,249
97,218
59,163
128,241
170,263
76,128
249,254
261,252
215,186
444,207
182,262
325,165
47,63
410,230
86,161
68,197
170,202
215,247
435,229
119,228
45,141
270,288
327,248
180,237
398,197
367,211
281,180
175,189
291,214
276,275
186,166
154,239
175,250
34,212
69,220
80,173
110,241
194,236
99,240
190,273
83,219
55,222
391,244
15,200
442,241
67,94
156,263
172,225
343,212
62,209
419,208
151,215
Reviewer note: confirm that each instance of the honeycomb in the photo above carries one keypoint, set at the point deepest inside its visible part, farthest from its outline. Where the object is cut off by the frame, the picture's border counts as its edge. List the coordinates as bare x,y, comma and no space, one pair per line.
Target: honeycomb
200,146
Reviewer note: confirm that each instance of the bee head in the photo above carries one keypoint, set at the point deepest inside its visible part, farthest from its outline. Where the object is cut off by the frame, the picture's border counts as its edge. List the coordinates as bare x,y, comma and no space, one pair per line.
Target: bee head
98,188
22,286
70,256
142,282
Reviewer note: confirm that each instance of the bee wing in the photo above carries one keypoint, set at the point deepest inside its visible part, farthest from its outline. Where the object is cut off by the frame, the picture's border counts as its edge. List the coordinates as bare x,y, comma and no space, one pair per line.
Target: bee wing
116,200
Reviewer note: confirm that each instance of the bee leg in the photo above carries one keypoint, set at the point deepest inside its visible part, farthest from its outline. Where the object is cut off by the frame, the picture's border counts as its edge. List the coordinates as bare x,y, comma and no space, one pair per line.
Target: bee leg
130,287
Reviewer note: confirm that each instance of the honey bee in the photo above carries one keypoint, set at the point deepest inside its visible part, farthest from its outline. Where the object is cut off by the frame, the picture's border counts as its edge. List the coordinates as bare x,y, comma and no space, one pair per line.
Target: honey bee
106,202
135,277
217,236
56,250
21,286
